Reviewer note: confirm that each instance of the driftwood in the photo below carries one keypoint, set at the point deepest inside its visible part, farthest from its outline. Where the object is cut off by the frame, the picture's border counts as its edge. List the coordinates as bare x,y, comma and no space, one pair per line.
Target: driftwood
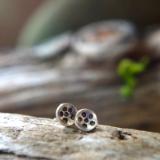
35,84
31,138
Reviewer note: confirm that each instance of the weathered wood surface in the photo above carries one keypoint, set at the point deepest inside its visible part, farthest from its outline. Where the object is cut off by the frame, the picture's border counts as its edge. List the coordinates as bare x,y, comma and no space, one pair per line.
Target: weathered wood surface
31,138
34,84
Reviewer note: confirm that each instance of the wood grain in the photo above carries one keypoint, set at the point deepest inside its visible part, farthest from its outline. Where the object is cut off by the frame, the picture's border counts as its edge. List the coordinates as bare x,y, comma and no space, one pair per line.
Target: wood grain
30,138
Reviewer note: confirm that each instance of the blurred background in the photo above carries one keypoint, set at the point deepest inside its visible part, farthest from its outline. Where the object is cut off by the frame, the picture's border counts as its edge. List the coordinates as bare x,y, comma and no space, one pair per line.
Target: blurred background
103,55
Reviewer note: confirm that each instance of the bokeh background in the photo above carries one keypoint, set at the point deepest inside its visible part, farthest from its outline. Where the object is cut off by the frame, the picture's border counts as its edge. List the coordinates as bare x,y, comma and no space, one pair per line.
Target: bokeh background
103,55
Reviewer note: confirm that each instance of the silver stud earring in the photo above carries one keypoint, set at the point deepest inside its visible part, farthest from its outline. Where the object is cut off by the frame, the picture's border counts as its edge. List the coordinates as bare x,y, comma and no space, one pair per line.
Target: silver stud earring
65,114
86,120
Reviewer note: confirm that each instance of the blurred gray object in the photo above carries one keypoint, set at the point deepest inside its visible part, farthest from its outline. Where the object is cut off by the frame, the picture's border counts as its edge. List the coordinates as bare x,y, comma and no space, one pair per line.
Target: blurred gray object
108,39
53,47
55,17
153,42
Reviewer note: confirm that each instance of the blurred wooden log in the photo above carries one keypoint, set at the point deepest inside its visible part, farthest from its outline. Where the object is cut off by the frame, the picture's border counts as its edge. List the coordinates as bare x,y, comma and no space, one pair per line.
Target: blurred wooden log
31,138
35,85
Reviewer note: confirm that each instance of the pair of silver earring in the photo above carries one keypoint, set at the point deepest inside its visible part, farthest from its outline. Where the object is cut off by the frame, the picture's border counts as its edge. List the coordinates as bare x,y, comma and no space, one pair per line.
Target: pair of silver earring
83,119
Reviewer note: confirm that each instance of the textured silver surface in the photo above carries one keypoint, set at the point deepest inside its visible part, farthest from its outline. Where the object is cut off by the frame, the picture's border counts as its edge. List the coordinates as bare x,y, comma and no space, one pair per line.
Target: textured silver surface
65,114
86,120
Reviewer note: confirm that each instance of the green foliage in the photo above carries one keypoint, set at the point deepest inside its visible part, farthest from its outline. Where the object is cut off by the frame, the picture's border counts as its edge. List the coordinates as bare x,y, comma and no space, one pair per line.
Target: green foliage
128,71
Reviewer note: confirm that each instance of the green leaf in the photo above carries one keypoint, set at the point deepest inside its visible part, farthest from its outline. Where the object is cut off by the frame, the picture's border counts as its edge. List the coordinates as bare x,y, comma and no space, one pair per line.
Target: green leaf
128,71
